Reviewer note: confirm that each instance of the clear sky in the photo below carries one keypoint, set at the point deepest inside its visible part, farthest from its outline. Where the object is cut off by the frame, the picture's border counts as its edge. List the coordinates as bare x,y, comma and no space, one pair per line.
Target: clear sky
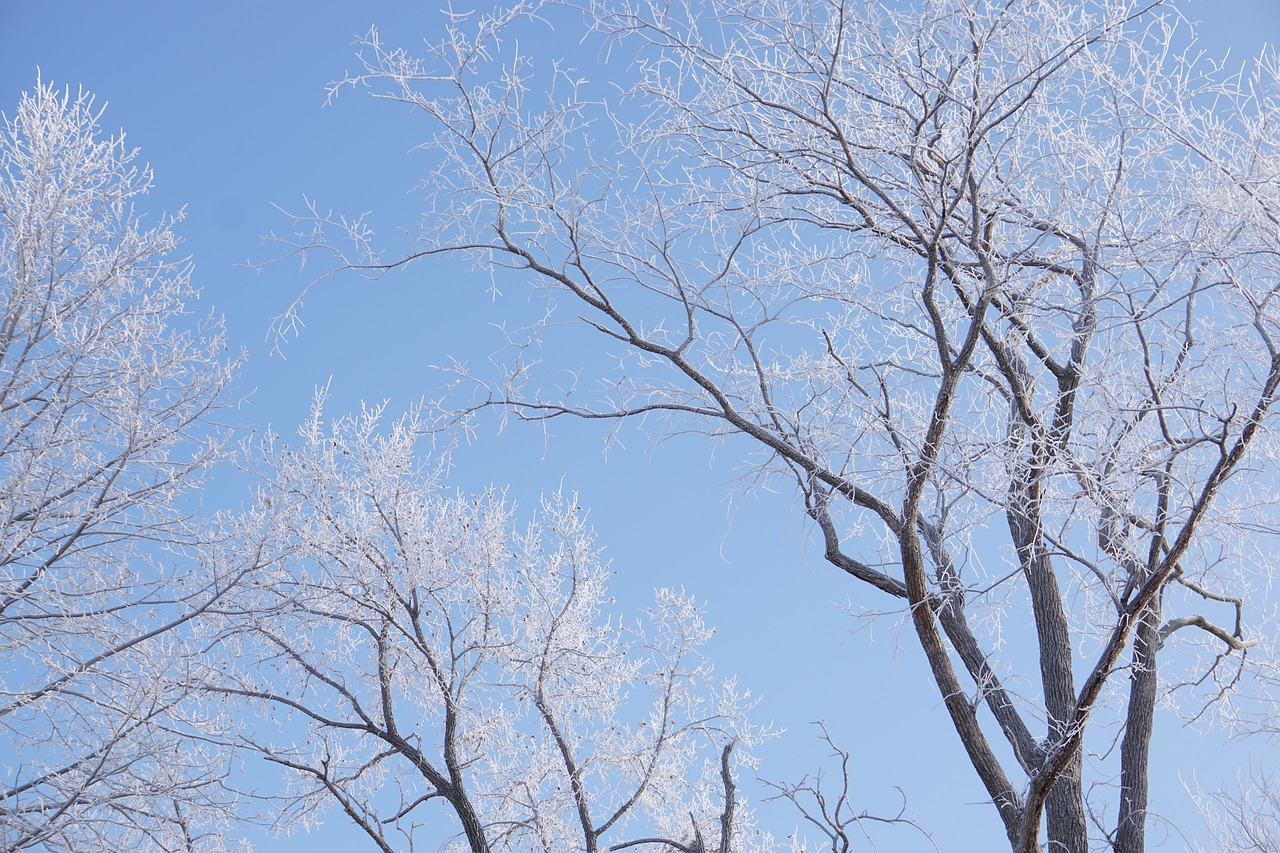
226,101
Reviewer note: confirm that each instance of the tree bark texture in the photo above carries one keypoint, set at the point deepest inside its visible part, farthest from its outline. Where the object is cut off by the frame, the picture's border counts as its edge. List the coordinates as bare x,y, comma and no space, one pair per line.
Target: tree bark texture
1135,750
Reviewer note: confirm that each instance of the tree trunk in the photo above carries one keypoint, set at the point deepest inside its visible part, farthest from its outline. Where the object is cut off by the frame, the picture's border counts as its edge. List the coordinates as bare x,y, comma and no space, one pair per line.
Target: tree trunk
1135,750
1064,810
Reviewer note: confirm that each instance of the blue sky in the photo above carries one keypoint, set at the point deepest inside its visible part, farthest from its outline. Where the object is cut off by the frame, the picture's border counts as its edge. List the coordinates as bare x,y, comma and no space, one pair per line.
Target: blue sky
226,102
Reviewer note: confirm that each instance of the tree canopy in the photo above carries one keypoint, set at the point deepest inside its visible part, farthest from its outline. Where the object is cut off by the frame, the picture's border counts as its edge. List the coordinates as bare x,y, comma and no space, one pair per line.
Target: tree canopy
990,286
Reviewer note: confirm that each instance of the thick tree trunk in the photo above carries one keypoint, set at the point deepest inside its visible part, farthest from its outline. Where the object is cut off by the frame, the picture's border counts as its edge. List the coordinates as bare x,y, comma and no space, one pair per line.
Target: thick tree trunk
1135,750
963,713
1064,811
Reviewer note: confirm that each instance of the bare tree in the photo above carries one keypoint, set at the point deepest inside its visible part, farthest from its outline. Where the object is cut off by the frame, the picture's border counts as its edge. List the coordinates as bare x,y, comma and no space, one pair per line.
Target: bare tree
108,404
992,285
1246,819
434,672
831,810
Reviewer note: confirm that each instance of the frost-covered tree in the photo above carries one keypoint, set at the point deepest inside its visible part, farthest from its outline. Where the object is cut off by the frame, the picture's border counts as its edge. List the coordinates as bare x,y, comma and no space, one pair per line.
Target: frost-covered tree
991,285
1246,818
443,676
109,401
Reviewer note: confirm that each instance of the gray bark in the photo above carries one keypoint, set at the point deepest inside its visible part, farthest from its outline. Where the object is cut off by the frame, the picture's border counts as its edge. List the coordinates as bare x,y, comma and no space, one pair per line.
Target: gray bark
1135,750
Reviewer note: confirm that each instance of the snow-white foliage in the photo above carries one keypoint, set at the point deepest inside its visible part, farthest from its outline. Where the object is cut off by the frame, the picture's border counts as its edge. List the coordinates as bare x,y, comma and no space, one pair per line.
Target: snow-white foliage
1244,818
435,670
108,400
991,285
